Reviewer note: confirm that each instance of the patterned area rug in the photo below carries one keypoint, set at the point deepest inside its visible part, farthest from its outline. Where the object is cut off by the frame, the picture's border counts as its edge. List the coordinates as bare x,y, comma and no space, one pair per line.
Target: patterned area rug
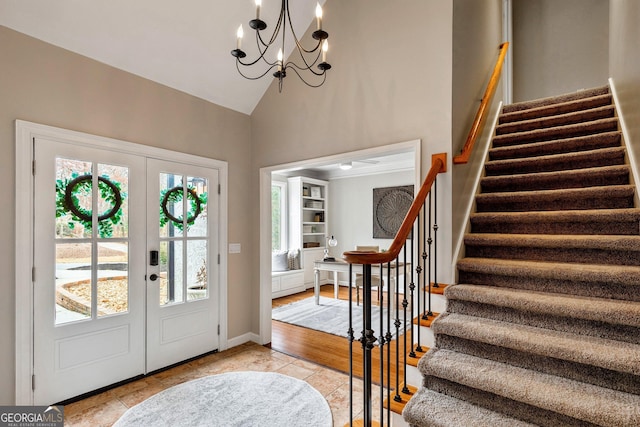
331,316
233,399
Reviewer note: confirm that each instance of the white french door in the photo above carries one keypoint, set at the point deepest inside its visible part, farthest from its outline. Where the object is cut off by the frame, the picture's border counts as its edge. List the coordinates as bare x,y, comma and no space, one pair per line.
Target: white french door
182,308
125,281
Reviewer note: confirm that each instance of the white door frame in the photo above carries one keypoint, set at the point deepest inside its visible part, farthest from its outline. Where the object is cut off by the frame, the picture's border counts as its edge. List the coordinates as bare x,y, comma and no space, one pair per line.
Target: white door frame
25,134
265,213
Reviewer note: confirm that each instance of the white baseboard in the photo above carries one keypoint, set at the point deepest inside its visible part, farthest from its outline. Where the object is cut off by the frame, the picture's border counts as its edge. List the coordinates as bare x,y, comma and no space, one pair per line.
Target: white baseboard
241,339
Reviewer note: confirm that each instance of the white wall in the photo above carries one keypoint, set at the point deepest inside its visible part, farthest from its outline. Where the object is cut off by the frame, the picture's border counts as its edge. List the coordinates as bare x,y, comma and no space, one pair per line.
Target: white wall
351,208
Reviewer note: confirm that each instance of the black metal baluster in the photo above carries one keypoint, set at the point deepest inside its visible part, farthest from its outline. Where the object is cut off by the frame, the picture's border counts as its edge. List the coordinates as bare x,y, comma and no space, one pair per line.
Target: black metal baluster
368,342
405,303
350,337
428,276
397,397
388,336
383,342
412,287
419,272
435,233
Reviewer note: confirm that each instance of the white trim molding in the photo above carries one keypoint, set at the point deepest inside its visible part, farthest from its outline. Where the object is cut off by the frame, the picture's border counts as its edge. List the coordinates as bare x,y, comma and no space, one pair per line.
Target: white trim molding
635,172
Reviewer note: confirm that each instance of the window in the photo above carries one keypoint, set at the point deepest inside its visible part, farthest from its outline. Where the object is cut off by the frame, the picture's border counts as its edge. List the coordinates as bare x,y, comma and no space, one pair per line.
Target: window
278,215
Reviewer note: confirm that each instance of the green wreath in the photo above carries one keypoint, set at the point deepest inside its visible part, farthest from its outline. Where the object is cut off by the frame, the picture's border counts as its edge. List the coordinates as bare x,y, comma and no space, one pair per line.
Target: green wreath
68,202
175,195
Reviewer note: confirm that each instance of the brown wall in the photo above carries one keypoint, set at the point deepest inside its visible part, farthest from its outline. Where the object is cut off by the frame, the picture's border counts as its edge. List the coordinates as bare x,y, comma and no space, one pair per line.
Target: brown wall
45,84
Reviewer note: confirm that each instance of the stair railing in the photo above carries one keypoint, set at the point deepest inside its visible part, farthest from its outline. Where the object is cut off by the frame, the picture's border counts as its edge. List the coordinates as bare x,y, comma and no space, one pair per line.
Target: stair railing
401,259
483,109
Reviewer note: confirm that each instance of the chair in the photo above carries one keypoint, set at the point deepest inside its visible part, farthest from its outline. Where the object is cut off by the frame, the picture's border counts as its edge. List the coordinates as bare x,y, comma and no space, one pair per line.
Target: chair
359,278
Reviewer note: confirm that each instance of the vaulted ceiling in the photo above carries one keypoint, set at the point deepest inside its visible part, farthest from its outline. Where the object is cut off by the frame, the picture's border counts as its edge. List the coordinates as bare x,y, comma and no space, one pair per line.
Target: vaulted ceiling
184,45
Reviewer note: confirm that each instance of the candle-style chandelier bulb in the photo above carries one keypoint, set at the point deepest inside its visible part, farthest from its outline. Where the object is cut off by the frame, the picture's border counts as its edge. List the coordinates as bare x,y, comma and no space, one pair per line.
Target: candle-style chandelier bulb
310,59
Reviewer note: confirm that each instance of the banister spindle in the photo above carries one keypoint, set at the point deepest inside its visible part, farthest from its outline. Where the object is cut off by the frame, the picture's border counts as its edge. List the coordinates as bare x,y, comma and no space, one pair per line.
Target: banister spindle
412,287
428,311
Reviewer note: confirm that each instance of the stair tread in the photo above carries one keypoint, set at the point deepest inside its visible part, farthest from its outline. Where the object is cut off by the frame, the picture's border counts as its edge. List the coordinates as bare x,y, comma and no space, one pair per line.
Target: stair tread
612,311
571,156
569,193
586,216
607,242
556,132
525,105
396,406
557,108
562,119
413,360
557,146
570,178
579,400
604,353
560,173
428,407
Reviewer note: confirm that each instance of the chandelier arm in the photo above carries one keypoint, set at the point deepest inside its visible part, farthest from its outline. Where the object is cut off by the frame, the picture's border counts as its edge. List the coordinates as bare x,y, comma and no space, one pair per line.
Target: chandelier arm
295,66
304,59
293,33
253,78
324,77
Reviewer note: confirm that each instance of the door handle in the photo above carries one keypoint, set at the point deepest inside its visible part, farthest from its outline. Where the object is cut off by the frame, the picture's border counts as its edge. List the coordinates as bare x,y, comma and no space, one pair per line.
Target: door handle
153,277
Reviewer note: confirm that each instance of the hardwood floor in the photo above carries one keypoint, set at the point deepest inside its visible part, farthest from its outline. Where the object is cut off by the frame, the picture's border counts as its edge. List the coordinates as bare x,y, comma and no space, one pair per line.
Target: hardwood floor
330,350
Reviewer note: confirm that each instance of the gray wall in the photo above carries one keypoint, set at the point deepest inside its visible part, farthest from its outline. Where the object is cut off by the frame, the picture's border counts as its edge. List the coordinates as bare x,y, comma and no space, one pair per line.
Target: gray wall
625,65
45,84
351,208
559,46
390,82
477,35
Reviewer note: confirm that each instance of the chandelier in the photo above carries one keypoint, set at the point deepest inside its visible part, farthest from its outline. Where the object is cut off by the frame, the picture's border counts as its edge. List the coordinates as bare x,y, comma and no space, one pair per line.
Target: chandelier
310,58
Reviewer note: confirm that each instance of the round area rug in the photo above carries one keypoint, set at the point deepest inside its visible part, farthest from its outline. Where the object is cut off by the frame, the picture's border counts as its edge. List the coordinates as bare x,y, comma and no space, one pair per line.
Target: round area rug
264,399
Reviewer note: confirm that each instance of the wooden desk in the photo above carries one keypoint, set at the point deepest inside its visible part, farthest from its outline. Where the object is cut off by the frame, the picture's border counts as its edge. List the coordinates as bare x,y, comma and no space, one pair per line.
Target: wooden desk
340,266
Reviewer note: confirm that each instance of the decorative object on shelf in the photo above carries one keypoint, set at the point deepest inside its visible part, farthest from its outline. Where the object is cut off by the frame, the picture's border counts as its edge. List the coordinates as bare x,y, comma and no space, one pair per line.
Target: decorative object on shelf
317,56
316,192
69,193
390,206
318,217
174,195
329,242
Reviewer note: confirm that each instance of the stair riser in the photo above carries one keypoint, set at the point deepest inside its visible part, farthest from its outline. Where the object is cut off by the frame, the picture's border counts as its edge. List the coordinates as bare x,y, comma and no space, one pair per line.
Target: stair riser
606,289
562,146
552,321
551,203
555,182
573,131
629,228
553,121
556,109
590,159
575,255
532,414
548,365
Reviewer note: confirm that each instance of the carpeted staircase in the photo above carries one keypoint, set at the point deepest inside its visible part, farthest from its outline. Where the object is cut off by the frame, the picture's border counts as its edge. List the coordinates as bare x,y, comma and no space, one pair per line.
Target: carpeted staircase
544,325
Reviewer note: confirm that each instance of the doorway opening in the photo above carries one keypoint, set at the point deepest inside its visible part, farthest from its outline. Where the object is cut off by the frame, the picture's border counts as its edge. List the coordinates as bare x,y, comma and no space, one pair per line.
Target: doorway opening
324,202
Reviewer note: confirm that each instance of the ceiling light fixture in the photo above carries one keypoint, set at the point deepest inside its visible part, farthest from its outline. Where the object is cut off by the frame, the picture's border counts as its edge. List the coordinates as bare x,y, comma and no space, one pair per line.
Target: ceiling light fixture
346,166
315,57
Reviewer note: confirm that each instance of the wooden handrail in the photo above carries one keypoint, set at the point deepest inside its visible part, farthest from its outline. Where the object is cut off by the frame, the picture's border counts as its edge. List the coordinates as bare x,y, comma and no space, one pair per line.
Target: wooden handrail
438,165
483,110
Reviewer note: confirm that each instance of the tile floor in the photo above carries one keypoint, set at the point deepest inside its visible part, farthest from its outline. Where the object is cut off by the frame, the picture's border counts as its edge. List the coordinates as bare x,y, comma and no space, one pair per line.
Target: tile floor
105,408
